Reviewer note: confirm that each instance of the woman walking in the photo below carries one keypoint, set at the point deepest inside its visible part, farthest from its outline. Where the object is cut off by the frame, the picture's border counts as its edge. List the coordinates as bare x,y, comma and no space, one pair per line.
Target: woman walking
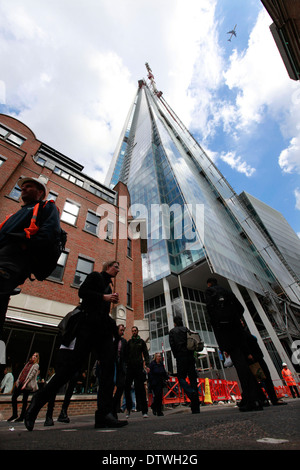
26,383
157,376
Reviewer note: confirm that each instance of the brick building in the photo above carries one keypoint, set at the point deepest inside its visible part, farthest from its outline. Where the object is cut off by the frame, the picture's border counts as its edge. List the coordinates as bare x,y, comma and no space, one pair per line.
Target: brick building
85,206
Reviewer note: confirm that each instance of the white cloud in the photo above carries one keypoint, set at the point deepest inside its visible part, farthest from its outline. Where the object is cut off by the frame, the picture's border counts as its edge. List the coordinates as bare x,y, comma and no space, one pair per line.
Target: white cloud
252,74
297,196
74,66
70,69
236,163
289,158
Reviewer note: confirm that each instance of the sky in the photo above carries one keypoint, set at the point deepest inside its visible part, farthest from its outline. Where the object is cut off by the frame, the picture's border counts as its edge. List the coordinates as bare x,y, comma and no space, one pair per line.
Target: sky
69,70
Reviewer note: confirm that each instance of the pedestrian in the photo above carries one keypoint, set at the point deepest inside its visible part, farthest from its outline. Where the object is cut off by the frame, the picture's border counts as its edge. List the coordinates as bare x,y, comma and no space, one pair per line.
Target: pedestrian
137,364
225,313
120,369
20,239
95,331
26,383
185,361
7,383
63,415
289,380
157,377
266,383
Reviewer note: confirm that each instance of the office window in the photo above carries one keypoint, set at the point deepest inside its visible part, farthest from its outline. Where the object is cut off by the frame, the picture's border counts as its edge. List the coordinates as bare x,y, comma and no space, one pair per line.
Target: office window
91,223
41,161
15,192
58,272
68,176
70,213
129,247
51,196
14,139
129,294
84,267
110,230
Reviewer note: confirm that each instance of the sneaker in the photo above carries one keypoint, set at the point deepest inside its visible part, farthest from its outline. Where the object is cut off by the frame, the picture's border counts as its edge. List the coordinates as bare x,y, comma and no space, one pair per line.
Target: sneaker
145,415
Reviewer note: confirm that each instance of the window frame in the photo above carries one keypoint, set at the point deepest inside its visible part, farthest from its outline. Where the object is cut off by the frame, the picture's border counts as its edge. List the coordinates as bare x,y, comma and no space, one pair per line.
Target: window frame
84,273
129,294
64,211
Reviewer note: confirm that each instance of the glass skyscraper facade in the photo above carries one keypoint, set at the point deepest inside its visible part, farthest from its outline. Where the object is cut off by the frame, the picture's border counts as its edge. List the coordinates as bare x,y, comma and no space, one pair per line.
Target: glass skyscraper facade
197,226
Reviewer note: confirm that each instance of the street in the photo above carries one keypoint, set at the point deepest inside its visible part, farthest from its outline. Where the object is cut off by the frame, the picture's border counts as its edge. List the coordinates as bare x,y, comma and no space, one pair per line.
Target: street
178,434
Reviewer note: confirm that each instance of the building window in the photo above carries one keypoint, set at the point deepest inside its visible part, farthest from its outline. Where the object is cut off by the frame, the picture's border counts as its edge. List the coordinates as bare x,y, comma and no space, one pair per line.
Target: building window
84,267
2,160
129,294
129,247
41,161
70,213
58,272
101,194
52,196
110,230
68,176
9,136
15,193
91,223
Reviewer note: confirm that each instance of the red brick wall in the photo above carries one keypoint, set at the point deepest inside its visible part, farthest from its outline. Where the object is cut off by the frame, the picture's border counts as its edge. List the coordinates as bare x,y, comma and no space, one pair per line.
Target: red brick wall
79,405
20,163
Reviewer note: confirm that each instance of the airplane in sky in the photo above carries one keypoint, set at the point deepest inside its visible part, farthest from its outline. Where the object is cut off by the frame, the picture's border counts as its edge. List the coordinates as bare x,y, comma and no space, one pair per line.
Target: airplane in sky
232,32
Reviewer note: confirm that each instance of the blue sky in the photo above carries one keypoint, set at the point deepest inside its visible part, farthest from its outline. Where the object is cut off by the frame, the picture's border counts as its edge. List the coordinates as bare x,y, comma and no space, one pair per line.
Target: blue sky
69,70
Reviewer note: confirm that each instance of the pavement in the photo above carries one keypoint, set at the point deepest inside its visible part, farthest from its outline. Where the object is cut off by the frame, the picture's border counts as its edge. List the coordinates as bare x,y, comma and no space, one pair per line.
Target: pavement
178,434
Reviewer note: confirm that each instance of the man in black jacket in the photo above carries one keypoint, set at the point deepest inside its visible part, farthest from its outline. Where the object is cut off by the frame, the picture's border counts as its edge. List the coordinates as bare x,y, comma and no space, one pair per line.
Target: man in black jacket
96,331
18,241
185,361
225,313
120,374
137,357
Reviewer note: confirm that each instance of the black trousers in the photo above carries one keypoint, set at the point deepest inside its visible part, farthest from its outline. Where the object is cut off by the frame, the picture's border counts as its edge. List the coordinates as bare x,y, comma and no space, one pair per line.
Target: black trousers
294,391
137,376
120,387
70,388
70,363
267,383
157,390
186,368
14,400
14,264
250,388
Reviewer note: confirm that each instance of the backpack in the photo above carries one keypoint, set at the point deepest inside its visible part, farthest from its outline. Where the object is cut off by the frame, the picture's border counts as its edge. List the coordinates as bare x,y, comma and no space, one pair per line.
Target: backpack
70,324
226,308
194,342
43,263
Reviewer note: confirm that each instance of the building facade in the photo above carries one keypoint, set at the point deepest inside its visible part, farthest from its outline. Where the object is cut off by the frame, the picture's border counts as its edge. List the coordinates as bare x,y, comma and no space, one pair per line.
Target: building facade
196,227
94,218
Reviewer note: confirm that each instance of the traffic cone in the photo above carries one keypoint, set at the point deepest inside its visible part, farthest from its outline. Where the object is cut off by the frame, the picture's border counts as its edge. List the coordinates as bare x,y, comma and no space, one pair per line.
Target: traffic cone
207,397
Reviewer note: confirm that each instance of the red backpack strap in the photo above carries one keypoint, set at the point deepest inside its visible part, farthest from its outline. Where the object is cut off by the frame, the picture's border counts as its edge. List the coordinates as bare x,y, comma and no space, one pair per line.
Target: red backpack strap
33,228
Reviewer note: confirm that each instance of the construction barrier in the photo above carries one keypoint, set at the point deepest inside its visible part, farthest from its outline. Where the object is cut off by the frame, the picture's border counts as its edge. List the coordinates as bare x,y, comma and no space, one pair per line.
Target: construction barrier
209,390
284,391
212,391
